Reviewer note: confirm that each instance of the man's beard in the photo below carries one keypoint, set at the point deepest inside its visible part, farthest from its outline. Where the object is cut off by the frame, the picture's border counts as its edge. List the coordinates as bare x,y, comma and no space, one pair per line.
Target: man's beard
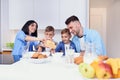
78,34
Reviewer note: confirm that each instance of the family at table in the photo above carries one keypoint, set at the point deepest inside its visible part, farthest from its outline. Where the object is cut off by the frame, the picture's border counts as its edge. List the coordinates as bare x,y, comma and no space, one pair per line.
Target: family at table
27,39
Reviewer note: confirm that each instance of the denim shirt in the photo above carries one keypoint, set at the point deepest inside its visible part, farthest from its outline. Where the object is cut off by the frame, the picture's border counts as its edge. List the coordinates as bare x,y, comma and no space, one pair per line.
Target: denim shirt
61,47
91,36
20,43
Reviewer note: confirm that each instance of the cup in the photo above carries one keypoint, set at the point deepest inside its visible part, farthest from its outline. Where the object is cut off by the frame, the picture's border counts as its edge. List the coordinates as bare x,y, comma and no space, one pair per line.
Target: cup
70,56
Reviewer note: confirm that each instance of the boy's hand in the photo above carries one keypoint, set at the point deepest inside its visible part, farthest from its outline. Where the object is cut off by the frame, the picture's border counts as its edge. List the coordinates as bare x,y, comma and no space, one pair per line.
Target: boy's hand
52,51
39,49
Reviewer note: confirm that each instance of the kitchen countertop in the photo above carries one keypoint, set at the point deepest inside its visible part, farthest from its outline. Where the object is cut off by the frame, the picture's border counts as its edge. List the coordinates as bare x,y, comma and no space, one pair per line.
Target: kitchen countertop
6,49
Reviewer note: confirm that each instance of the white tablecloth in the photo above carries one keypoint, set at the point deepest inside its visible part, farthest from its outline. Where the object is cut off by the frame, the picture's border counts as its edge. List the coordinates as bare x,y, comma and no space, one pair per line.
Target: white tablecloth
53,70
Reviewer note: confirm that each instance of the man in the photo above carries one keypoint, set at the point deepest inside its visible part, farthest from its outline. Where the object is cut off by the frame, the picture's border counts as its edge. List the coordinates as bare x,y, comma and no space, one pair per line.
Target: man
88,36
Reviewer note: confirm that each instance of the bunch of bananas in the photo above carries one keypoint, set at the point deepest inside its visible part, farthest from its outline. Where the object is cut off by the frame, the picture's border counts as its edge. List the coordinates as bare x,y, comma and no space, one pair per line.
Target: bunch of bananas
115,64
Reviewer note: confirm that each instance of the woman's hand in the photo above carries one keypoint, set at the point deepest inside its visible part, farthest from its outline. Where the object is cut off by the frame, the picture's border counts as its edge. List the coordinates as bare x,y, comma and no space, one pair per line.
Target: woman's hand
39,49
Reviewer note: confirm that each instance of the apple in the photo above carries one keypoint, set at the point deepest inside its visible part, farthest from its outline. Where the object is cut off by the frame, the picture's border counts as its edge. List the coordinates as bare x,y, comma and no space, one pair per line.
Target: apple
103,71
86,70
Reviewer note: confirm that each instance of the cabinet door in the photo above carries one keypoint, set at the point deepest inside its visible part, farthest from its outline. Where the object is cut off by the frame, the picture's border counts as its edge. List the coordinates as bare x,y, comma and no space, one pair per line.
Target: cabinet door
47,13
20,11
74,7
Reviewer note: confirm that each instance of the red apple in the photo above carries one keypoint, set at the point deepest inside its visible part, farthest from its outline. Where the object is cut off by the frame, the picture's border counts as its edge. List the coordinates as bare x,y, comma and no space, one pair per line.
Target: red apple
104,71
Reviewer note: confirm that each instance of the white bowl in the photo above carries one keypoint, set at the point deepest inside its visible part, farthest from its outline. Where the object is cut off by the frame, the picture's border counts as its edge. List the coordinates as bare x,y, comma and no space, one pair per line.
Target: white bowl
58,54
76,54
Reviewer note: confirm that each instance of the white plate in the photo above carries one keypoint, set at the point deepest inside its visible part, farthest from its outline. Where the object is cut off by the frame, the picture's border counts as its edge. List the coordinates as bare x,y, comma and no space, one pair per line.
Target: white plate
38,61
28,55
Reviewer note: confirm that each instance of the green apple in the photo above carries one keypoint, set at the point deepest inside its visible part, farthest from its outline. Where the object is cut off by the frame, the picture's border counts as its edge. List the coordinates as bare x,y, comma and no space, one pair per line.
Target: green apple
104,71
87,70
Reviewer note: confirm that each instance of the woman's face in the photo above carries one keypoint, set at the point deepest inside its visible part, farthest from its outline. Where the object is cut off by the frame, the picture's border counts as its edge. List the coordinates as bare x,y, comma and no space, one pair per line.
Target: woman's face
32,28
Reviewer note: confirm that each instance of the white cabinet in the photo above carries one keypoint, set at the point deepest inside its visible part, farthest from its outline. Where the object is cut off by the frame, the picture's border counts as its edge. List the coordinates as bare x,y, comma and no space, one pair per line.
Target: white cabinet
19,12
74,7
46,12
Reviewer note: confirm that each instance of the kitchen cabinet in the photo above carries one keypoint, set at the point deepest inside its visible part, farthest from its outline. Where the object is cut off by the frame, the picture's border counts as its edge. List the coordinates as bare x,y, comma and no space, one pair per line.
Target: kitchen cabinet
47,12
80,8
20,11
6,57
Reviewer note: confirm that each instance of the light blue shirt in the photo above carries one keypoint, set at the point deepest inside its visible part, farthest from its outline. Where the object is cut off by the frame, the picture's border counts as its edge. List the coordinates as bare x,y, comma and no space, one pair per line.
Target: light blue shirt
91,36
20,44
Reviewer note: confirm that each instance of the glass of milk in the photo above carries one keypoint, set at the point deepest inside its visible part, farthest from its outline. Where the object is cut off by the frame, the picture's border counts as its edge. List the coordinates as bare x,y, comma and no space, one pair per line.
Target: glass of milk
69,53
90,53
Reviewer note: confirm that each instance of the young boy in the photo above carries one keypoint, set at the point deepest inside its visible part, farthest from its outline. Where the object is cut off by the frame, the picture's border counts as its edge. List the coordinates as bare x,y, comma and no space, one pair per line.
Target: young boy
48,44
66,42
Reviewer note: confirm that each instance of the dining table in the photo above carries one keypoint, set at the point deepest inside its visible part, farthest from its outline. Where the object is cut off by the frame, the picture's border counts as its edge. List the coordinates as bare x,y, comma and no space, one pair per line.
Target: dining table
53,68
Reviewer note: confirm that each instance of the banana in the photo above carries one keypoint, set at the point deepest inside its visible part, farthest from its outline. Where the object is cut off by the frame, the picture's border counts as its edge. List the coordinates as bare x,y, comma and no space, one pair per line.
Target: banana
114,65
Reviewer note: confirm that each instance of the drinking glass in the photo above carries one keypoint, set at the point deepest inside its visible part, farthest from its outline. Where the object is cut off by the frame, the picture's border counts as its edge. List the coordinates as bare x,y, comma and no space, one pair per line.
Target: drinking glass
90,53
69,52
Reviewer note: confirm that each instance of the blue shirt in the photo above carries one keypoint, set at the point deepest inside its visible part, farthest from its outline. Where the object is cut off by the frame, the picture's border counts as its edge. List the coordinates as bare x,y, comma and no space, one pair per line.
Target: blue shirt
20,44
61,47
91,36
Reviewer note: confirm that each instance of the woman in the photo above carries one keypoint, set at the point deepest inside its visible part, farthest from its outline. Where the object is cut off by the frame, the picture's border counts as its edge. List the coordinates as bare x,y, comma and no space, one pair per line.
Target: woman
25,40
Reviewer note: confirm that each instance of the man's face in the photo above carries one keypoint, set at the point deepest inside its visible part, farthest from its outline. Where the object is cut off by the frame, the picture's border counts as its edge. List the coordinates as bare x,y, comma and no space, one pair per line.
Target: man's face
74,28
49,35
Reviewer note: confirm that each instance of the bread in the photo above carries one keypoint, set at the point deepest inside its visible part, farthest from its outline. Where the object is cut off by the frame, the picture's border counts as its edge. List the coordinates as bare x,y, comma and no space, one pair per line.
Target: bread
38,56
35,55
42,56
50,44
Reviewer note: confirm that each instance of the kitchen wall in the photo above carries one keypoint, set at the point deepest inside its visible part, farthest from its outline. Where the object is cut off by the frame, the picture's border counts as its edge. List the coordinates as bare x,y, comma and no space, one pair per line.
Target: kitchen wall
112,24
0,32
0,25
113,29
98,21
6,34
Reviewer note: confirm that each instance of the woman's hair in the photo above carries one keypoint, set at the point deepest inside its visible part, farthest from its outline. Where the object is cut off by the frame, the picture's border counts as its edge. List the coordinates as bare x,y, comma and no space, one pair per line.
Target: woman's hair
70,19
65,31
49,28
25,28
